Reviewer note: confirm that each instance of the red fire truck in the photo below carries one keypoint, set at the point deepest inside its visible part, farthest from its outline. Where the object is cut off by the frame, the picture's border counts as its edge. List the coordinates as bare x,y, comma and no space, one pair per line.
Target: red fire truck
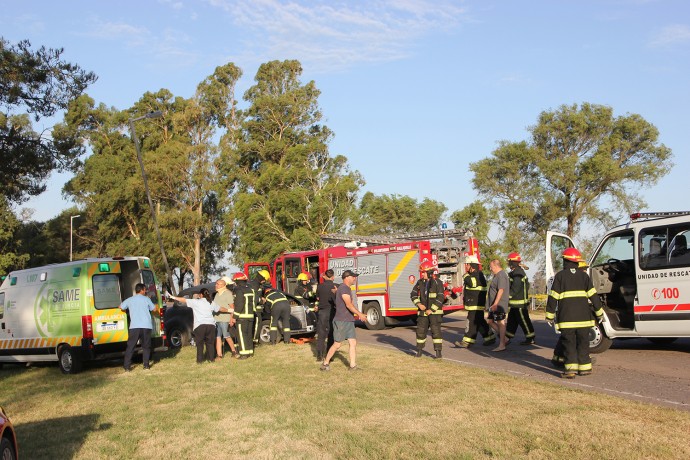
388,268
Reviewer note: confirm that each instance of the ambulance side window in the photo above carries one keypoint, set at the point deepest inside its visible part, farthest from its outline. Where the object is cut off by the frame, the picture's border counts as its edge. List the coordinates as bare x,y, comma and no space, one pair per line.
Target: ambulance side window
664,247
106,291
150,281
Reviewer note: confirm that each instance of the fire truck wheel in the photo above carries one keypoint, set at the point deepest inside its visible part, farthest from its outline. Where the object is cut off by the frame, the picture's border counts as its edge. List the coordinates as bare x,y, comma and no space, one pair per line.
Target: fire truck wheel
375,320
69,360
598,342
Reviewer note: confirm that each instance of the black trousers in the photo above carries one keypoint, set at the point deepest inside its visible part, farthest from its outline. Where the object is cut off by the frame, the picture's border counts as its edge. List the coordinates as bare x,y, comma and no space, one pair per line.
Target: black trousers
476,323
576,347
280,314
324,330
205,335
134,336
519,316
424,322
258,318
245,335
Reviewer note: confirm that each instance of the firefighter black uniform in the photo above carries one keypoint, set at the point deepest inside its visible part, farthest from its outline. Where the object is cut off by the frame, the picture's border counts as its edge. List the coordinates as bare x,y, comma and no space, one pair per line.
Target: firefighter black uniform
474,301
280,314
428,293
519,303
245,302
568,305
304,291
258,284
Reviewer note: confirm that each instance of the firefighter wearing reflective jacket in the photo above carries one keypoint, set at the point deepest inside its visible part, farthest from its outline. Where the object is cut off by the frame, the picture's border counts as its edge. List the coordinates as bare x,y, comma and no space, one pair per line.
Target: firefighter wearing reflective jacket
474,300
427,295
245,302
280,314
260,281
304,290
568,305
519,301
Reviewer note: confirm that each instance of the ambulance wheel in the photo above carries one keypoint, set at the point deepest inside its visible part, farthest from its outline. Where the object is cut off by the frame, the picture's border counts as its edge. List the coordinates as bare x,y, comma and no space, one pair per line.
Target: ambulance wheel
375,320
662,340
265,332
69,360
598,342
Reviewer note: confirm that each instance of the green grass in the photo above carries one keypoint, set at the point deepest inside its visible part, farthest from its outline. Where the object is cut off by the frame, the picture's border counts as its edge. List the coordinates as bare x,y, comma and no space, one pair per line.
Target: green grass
279,405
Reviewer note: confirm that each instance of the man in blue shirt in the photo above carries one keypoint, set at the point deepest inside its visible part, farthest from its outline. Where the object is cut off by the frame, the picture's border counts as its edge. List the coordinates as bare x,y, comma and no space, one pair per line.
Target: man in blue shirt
140,325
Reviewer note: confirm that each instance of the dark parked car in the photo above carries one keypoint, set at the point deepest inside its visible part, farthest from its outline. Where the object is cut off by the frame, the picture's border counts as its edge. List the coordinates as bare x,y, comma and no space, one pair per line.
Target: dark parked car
179,318
8,439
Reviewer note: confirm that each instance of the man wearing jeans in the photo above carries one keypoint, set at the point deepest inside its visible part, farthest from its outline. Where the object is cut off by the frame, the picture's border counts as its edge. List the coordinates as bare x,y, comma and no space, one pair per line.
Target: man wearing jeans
140,325
344,320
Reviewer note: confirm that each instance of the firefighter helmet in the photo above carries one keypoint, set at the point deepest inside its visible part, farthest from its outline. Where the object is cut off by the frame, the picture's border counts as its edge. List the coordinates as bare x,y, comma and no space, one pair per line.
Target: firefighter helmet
582,264
471,259
264,274
426,267
302,277
514,257
572,255
239,276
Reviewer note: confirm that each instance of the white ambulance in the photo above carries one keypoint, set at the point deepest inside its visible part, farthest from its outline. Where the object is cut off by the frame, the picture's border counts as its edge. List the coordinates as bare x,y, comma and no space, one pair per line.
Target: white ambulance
70,312
641,271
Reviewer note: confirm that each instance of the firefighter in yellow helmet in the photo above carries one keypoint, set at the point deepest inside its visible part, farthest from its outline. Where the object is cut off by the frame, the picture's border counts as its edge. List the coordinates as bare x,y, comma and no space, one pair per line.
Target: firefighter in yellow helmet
568,305
245,304
304,290
518,313
428,296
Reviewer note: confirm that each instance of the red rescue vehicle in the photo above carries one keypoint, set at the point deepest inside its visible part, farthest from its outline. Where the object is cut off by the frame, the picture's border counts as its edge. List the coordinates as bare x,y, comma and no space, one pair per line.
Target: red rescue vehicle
388,268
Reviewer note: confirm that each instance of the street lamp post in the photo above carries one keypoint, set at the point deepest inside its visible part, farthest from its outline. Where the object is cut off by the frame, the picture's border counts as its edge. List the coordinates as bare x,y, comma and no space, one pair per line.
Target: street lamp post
156,114
71,220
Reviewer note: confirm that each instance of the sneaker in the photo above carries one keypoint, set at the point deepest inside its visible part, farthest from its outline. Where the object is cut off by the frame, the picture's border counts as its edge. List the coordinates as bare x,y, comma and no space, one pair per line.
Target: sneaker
462,344
568,375
243,357
147,368
354,368
235,355
527,342
325,367
584,373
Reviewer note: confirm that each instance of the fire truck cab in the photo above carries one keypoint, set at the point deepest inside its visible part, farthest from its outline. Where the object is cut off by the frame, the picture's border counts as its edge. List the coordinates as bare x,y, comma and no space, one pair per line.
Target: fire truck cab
388,268
641,271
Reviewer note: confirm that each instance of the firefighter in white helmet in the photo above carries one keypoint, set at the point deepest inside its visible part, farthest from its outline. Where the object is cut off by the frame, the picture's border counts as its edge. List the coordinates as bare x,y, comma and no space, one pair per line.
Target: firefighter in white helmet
474,301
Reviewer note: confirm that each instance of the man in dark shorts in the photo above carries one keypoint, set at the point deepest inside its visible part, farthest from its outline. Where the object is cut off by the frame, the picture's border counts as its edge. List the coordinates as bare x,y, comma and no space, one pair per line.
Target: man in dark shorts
344,320
497,302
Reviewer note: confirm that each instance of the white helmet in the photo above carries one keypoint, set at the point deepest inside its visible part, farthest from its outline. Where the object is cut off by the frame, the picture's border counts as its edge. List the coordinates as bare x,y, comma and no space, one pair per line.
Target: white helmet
471,259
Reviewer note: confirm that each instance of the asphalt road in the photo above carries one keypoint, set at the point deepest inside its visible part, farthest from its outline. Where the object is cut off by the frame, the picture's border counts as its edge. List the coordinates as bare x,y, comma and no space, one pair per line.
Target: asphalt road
634,369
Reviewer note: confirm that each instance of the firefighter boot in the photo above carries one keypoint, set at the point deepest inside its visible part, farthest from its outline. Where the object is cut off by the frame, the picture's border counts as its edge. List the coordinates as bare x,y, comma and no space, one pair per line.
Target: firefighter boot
419,352
438,354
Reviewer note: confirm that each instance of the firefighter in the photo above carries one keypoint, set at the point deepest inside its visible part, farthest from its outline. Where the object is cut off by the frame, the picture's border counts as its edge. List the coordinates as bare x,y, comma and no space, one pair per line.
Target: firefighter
260,281
518,314
474,300
427,295
280,313
245,303
568,305
558,358
304,290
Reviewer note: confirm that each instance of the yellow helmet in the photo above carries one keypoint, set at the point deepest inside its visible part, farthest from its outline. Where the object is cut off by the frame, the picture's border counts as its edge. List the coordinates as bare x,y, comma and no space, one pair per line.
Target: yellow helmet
302,277
264,274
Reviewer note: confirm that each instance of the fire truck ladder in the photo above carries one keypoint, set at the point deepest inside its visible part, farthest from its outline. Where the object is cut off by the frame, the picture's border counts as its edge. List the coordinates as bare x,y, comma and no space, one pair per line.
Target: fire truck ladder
340,238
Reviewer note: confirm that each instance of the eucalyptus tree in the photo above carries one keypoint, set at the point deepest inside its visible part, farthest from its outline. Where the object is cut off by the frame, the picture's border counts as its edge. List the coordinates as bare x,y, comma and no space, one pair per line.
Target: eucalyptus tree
285,187
378,214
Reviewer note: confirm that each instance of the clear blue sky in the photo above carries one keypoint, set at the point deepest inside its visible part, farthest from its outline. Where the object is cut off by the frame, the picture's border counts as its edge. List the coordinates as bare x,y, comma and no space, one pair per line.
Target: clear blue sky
414,90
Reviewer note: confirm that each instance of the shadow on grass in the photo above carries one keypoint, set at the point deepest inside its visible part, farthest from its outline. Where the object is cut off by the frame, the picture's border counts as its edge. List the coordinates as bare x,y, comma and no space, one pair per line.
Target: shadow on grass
57,438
